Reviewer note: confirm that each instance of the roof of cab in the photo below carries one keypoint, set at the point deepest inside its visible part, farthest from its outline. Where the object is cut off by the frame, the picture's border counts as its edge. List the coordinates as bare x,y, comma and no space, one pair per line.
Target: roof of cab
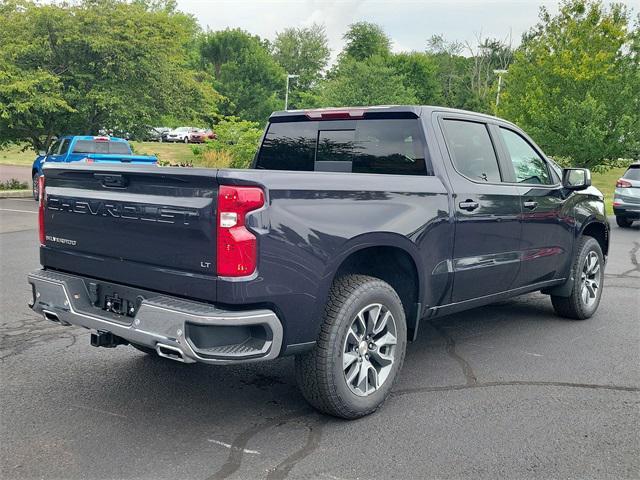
390,111
94,137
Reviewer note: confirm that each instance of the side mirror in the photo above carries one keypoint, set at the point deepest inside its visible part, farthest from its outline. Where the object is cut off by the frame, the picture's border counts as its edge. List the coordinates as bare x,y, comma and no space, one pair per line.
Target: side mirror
42,153
576,178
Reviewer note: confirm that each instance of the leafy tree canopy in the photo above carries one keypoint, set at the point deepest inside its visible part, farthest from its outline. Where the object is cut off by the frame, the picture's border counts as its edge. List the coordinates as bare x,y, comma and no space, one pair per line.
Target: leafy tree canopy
370,82
365,40
575,83
303,51
245,73
95,64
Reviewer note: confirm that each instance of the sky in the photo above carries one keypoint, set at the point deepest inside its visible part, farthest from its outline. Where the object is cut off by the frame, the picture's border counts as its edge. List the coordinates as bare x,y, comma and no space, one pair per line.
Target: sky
409,23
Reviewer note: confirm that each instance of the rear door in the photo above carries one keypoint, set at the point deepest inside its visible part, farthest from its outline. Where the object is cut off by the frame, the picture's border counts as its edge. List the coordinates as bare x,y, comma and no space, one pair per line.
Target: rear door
486,256
547,227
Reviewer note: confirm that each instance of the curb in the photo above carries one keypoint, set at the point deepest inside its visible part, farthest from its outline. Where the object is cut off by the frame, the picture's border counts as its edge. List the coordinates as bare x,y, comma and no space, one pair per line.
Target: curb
15,194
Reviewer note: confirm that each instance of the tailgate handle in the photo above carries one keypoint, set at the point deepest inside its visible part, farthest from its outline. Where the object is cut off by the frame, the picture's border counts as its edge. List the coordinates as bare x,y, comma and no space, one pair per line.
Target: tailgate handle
111,180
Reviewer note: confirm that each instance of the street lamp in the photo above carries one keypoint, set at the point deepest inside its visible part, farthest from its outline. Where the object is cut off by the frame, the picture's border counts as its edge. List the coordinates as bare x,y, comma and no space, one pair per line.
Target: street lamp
286,95
499,73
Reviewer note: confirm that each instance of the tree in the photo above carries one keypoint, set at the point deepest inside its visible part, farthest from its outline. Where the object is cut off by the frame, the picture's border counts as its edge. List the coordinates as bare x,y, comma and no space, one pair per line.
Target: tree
369,82
574,84
302,51
245,73
94,64
365,40
419,72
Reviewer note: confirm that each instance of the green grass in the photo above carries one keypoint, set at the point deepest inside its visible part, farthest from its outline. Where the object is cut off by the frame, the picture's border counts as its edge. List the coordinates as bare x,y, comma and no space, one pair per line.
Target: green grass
13,156
606,183
169,152
175,153
178,153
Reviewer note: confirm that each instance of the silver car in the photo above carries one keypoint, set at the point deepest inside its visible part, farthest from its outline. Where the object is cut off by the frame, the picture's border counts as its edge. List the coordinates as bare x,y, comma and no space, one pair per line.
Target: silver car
626,200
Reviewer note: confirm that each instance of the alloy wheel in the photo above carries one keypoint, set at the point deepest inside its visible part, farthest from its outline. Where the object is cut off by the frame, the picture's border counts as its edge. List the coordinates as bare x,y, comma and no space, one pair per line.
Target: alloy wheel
369,349
590,279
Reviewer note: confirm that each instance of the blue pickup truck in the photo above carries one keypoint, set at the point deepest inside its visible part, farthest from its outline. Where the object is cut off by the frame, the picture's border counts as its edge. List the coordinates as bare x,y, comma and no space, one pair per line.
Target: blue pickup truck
89,149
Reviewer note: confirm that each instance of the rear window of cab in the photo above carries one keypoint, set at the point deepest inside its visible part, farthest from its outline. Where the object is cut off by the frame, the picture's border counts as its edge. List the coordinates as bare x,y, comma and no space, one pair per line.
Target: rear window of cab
383,146
101,146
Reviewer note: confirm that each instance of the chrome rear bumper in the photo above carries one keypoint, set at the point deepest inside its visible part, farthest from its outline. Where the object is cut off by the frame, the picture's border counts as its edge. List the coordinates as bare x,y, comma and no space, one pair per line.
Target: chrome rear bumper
180,329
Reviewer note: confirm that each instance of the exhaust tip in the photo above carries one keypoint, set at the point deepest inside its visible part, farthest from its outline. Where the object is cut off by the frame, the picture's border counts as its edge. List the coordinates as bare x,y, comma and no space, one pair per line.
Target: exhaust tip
51,316
172,353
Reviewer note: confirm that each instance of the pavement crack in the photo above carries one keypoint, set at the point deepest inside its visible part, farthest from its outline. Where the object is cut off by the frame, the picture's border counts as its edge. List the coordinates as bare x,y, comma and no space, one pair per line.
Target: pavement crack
239,444
467,371
313,442
530,383
633,257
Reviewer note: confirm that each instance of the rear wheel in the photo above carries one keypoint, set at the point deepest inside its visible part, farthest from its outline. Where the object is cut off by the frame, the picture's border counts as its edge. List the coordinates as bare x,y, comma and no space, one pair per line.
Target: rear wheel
186,140
623,222
360,349
588,280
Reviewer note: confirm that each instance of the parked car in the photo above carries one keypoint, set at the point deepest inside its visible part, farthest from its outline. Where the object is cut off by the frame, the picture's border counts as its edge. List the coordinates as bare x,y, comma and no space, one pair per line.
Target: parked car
201,136
156,134
626,199
90,149
352,228
180,134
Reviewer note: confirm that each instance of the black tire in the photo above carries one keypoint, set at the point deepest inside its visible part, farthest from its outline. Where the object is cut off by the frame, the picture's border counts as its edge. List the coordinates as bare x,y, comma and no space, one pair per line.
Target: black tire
35,188
186,140
142,348
575,306
320,374
623,222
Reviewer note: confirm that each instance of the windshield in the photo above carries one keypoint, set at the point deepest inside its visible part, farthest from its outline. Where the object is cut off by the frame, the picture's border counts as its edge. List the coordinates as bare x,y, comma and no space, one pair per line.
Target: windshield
182,129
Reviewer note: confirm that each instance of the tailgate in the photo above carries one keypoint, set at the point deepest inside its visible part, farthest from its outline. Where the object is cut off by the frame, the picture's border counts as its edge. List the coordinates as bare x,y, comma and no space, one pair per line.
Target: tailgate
136,225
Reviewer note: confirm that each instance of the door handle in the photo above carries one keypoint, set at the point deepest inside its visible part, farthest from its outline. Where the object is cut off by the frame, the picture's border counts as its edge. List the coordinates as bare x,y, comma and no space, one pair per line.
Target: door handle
530,204
468,205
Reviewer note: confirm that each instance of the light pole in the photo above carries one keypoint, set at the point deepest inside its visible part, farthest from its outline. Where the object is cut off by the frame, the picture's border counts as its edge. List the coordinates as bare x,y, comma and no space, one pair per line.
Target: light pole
286,95
499,73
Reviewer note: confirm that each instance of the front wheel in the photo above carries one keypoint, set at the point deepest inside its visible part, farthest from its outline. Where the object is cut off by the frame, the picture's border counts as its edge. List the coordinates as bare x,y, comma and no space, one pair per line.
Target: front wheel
186,140
360,349
588,279
623,222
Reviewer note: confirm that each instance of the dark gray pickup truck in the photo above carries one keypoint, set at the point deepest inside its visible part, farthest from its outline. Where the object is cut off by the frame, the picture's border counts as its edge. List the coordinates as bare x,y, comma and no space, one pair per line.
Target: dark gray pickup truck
352,227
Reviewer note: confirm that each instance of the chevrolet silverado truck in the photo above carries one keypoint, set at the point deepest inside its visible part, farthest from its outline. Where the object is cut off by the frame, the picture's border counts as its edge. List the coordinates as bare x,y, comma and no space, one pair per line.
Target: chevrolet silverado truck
88,149
351,229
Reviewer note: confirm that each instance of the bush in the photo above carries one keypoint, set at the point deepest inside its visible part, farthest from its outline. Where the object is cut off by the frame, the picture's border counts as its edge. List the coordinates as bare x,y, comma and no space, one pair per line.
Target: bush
215,159
13,184
235,145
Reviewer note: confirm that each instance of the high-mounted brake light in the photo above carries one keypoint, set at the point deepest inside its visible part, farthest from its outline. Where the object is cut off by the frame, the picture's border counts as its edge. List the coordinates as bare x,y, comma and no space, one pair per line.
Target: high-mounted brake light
101,139
623,184
237,249
41,204
329,114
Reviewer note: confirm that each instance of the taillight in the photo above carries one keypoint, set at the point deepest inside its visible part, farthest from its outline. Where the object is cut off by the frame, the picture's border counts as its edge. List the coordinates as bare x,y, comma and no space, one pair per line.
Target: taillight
237,250
41,205
623,184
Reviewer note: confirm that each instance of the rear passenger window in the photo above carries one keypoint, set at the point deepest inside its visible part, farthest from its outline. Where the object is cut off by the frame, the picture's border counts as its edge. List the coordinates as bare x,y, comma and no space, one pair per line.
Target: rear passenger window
381,146
472,151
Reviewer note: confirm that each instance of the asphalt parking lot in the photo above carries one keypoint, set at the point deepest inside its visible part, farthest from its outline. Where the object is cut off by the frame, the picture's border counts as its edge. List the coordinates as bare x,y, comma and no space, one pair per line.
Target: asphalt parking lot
507,390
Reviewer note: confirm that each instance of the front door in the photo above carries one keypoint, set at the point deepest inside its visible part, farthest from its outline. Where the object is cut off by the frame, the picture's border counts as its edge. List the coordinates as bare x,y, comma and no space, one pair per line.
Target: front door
547,229
486,253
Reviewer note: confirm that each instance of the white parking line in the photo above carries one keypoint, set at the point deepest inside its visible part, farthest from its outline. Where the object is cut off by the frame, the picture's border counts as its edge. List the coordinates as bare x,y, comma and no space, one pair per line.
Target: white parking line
19,211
